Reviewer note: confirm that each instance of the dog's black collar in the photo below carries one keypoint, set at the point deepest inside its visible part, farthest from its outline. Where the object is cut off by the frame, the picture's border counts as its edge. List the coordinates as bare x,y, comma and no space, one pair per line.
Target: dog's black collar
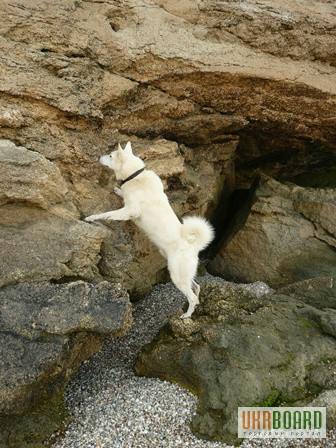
132,176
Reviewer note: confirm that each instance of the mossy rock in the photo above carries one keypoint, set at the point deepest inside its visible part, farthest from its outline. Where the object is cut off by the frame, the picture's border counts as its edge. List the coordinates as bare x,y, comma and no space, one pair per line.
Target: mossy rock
46,331
33,428
240,350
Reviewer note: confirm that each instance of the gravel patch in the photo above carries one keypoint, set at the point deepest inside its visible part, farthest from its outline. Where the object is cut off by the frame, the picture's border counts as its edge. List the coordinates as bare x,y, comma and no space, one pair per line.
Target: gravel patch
113,408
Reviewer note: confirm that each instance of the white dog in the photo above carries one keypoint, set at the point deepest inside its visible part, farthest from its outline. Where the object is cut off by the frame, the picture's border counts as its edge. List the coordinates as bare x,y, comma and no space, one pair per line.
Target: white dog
148,207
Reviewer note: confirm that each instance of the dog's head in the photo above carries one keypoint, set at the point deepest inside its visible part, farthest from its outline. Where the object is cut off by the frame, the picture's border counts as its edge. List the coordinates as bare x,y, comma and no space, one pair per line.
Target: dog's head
121,160
115,160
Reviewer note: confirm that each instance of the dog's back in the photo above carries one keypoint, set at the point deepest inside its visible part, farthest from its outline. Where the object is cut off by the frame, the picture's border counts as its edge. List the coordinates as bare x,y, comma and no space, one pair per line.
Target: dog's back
157,218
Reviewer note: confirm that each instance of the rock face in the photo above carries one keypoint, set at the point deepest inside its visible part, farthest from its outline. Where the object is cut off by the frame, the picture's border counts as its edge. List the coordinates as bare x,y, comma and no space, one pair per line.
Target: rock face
210,94
27,176
46,331
248,81
43,237
240,350
287,234
37,245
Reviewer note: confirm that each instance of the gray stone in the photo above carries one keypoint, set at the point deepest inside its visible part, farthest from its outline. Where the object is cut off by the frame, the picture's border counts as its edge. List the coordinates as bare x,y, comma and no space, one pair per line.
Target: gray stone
27,176
38,310
318,291
36,245
287,236
241,350
327,399
46,331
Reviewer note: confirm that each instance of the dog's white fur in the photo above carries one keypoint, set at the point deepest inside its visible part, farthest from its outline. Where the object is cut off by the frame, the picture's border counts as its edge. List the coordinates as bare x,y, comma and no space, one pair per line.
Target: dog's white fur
148,207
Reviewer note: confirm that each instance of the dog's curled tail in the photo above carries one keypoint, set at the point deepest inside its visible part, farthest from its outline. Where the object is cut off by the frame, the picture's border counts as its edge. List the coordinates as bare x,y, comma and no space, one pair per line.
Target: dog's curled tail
197,231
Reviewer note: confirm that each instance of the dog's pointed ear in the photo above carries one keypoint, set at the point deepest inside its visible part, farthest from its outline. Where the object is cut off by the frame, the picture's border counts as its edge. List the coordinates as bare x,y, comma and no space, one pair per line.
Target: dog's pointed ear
120,152
128,148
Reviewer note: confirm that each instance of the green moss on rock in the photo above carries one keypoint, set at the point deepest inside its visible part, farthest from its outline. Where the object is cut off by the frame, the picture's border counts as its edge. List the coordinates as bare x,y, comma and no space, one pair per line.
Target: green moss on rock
33,428
238,350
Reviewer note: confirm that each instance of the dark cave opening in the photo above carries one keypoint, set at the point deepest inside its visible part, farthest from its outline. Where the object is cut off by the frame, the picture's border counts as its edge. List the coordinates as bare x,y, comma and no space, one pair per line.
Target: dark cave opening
285,158
324,177
223,219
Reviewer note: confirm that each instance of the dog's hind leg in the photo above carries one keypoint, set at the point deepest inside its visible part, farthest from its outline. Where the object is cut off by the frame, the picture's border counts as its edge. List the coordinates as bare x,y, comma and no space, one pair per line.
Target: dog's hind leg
163,253
182,269
118,191
196,288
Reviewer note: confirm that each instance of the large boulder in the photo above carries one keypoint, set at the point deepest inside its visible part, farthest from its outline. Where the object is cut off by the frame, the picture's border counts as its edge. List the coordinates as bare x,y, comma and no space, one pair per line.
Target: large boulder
287,234
243,350
46,331
27,176
201,76
37,245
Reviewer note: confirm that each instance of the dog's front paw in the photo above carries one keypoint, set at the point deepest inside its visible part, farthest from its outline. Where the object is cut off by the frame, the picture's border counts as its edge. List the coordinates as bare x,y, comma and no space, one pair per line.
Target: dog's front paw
91,218
185,316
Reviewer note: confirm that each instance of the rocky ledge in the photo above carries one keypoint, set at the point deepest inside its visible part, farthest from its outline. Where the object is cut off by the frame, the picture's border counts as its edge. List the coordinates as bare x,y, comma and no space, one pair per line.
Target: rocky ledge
211,95
243,350
284,233
46,331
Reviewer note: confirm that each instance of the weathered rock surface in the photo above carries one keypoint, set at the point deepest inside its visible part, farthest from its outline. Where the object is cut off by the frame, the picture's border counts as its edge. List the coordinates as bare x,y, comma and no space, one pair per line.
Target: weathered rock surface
54,244
287,234
26,176
240,350
210,93
46,331
93,73
37,245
